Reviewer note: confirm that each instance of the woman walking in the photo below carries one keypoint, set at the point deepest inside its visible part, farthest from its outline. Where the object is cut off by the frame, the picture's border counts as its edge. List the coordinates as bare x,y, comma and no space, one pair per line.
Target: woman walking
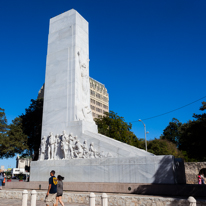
199,180
1,178
59,190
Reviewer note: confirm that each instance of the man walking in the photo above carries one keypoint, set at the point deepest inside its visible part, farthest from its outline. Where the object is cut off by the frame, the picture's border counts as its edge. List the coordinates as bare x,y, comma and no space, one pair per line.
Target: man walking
52,189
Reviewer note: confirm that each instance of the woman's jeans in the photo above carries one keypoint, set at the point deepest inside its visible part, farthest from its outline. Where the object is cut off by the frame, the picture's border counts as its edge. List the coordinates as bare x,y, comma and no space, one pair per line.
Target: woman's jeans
1,181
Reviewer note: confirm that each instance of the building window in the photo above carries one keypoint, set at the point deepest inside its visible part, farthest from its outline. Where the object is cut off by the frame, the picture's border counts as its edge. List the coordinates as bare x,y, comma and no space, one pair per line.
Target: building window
92,101
105,106
92,107
98,103
98,95
98,110
105,99
92,92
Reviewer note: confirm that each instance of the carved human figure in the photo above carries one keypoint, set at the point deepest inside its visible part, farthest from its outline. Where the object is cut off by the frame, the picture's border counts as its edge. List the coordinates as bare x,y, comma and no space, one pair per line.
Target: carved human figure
86,111
92,150
56,143
51,146
64,136
78,151
64,149
70,146
85,149
84,76
42,148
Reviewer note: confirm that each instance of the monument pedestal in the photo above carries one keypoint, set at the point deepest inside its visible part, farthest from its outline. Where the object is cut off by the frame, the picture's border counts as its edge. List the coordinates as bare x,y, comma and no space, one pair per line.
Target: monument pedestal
153,169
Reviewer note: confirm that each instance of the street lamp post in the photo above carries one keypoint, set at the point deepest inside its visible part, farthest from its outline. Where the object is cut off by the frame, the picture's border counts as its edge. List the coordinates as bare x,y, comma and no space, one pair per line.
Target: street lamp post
144,133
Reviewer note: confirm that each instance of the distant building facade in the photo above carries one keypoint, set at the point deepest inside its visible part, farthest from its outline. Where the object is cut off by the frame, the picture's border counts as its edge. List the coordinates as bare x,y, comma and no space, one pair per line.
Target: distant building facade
99,98
21,165
21,162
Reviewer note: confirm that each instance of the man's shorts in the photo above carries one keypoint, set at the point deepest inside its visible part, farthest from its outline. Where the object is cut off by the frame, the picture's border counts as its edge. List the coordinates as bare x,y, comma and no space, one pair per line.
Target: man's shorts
51,198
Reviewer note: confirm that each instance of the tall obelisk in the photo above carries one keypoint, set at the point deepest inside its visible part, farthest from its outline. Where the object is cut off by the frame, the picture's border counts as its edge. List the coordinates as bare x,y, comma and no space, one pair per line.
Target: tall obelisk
67,90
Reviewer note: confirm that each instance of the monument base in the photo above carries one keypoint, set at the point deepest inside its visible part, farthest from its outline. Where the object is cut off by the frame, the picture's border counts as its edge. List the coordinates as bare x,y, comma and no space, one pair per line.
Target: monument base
147,169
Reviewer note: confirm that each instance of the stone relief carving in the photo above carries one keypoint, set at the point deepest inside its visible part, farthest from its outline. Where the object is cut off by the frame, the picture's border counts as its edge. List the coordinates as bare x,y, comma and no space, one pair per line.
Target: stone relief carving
42,148
67,147
86,111
51,139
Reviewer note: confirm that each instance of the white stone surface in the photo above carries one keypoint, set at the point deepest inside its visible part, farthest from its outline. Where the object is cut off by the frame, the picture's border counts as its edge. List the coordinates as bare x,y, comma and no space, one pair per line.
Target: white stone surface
24,197
147,169
33,197
67,95
91,199
104,199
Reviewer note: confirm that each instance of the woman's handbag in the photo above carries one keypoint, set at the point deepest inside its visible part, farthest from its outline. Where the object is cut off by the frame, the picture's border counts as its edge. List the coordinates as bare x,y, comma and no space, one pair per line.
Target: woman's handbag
3,183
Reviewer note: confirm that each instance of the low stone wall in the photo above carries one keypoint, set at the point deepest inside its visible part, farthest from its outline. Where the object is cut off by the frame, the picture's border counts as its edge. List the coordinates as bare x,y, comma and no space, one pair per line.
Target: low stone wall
177,190
113,199
192,170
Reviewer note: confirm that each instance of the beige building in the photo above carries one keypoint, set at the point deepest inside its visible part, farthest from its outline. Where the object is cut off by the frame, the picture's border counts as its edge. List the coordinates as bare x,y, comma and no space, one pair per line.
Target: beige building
99,98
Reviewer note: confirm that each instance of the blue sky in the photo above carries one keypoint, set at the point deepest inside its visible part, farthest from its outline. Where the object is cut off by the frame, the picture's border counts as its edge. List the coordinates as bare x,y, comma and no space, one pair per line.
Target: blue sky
149,54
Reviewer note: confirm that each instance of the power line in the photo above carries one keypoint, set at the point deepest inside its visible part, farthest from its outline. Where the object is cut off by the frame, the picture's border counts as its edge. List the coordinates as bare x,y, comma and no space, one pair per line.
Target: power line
171,110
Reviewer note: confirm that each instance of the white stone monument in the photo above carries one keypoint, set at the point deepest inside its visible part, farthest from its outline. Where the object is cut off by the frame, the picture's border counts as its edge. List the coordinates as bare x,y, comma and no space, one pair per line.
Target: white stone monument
67,91
70,142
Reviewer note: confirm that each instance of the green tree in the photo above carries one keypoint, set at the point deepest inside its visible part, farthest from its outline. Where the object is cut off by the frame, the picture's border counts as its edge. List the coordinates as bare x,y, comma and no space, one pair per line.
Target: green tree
12,139
16,140
31,124
3,130
3,122
172,132
193,136
164,147
189,137
24,133
115,127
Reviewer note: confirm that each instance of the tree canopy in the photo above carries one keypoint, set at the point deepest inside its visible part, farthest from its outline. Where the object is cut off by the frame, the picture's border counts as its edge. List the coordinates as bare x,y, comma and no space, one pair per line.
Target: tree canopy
3,130
31,124
114,126
23,135
16,140
3,122
164,147
12,139
189,137
172,132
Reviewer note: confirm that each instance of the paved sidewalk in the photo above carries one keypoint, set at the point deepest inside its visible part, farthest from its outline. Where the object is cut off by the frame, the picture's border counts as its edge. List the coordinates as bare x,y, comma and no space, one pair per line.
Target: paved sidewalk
17,202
